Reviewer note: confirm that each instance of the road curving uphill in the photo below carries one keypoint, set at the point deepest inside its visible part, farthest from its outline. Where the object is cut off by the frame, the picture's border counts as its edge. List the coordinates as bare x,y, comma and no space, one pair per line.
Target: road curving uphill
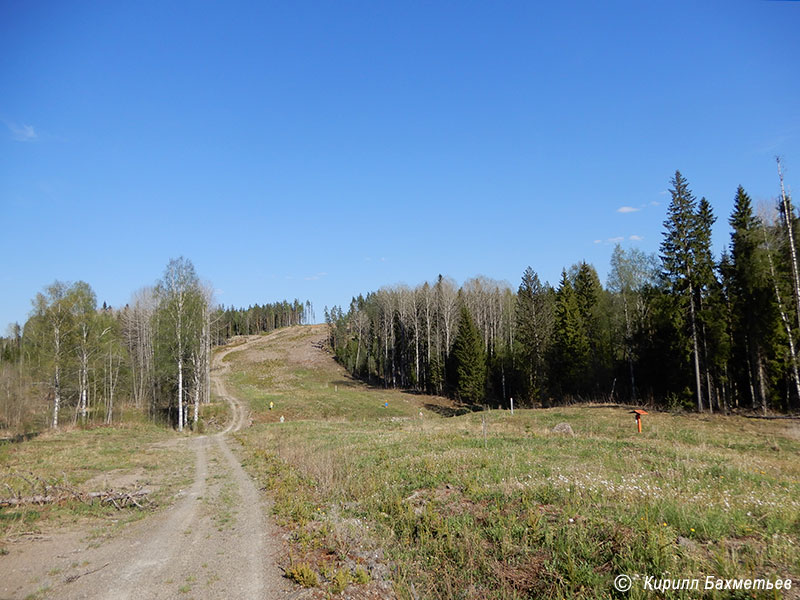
215,541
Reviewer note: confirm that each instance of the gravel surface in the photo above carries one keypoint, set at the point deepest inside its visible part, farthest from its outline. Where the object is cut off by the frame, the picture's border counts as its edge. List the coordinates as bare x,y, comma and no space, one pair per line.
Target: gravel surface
213,542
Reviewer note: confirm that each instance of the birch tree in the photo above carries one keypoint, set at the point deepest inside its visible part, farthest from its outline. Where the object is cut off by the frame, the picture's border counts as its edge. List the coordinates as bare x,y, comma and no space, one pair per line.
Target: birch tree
52,327
782,311
137,325
631,271
202,299
176,293
84,307
788,218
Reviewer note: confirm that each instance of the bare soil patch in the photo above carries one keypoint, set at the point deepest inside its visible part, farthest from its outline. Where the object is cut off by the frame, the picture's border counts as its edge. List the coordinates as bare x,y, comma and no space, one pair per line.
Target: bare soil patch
211,539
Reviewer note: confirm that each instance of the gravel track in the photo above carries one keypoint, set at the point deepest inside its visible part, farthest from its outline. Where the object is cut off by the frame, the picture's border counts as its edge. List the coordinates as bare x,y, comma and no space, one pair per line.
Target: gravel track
213,542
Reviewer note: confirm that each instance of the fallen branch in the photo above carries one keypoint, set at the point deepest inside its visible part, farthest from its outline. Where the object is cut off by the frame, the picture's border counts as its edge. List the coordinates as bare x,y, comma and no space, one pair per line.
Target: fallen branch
118,499
774,417
72,578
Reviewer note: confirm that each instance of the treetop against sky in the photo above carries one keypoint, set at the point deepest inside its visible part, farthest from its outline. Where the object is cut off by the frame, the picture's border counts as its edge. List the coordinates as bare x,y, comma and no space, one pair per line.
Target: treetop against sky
316,151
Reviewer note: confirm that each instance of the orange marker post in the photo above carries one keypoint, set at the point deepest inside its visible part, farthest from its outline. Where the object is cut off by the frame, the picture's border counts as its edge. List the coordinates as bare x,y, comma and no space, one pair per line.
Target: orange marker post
639,413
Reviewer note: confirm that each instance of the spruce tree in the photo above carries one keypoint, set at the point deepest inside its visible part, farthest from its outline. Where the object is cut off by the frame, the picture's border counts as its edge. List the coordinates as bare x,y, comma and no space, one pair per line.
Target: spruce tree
709,302
752,301
469,361
534,326
587,292
678,255
593,307
570,358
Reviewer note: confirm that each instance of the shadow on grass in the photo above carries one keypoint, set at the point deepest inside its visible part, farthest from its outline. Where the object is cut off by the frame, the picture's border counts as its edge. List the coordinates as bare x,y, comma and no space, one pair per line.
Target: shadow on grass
20,437
347,383
450,411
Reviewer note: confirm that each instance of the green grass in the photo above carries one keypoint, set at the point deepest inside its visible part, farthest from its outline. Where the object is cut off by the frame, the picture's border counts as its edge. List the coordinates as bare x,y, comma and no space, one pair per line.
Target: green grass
304,393
576,509
80,459
214,416
531,513
309,395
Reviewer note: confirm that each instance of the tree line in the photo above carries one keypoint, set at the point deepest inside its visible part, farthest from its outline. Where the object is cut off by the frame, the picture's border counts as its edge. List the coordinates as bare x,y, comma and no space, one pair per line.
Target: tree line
262,318
75,362
682,328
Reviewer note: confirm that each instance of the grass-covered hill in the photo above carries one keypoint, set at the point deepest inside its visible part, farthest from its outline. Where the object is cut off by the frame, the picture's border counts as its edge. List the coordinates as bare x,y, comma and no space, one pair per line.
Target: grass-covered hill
494,505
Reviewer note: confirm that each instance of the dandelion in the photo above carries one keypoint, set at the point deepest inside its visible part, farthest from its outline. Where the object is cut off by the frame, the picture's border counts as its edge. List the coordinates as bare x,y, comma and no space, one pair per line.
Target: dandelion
665,523
691,529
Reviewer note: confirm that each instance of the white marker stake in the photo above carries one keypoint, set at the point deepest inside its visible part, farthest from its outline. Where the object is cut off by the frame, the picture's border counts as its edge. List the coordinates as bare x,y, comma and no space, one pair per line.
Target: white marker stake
512,407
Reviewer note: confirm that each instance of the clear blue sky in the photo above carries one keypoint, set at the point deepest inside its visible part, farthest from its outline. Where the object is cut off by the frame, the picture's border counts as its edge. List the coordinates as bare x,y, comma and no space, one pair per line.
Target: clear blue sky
321,149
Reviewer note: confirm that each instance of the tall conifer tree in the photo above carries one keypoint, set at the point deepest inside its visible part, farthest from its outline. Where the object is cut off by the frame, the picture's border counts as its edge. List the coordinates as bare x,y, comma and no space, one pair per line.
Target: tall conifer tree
751,297
534,325
571,350
470,360
678,254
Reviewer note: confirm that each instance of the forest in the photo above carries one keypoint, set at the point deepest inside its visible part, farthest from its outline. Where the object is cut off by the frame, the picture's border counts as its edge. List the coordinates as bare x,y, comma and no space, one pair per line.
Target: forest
683,329
73,362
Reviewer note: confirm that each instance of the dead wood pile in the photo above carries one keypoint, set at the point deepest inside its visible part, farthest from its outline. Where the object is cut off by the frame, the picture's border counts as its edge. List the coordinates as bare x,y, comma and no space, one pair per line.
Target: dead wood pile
30,489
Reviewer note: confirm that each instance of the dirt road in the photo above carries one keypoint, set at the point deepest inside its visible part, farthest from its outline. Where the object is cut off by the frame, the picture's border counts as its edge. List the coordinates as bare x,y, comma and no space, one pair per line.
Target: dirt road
214,542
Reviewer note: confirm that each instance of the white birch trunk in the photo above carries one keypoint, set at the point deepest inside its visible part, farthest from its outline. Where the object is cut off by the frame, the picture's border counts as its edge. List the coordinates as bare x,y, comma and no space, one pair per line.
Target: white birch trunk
788,214
56,397
196,413
84,383
784,318
57,375
180,395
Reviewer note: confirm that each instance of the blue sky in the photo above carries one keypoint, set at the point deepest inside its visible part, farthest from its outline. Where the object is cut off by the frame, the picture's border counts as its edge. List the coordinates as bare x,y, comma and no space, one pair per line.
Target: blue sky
317,150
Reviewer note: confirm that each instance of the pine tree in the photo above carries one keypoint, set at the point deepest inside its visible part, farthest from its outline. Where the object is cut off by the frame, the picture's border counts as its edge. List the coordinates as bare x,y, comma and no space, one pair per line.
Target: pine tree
469,360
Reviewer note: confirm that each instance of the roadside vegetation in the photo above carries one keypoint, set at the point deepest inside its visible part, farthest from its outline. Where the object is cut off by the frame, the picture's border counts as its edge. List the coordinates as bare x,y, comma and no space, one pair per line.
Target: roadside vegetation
444,510
74,363
136,456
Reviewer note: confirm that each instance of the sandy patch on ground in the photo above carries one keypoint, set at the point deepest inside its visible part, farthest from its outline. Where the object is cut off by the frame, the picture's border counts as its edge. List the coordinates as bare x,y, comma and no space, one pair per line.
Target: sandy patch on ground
214,541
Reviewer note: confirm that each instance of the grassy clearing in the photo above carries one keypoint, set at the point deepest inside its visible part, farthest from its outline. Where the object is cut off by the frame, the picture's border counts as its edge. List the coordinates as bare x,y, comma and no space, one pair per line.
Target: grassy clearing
313,390
88,460
527,512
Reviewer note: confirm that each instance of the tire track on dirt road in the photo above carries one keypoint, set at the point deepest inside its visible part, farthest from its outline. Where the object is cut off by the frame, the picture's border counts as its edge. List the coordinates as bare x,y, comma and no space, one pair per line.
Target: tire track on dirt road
256,540
214,542
248,575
